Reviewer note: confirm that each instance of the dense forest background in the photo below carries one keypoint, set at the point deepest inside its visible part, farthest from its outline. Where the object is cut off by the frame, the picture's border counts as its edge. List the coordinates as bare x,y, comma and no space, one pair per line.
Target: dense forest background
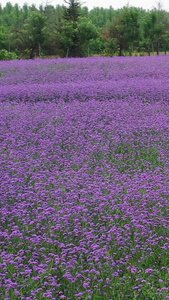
73,31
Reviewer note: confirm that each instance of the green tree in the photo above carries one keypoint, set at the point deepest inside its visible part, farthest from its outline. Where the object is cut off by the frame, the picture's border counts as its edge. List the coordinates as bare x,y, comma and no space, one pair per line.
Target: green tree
130,27
34,33
165,42
124,31
111,47
96,45
115,32
72,12
3,37
68,37
73,30
71,17
53,43
86,31
25,11
153,31
101,17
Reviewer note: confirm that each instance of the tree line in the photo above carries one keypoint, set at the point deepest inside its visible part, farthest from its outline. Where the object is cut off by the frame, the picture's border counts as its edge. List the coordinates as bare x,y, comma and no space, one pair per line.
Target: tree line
71,30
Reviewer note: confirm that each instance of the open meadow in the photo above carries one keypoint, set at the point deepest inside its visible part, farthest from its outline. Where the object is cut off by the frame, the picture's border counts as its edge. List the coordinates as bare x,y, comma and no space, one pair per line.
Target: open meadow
84,179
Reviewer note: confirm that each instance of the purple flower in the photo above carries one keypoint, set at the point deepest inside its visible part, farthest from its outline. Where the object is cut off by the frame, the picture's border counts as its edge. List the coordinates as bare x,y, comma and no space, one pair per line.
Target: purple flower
84,166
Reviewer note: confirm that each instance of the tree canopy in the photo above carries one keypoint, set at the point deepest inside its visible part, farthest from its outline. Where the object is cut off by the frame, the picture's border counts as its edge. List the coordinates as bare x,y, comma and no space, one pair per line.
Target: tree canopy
71,30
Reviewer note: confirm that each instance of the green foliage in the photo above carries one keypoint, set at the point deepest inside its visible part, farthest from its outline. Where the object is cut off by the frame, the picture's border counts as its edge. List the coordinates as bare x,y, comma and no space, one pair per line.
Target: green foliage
68,35
131,27
72,12
34,33
125,30
73,30
165,41
96,45
102,17
5,55
3,37
125,157
86,31
153,30
111,47
71,39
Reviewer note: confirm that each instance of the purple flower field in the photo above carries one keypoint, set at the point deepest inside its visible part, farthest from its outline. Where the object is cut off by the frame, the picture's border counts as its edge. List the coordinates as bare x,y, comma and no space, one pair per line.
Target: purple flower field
84,179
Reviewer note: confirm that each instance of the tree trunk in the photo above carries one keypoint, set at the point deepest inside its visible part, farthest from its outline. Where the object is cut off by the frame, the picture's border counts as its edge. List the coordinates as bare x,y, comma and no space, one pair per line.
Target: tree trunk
153,48
39,50
67,52
131,50
158,47
88,51
32,54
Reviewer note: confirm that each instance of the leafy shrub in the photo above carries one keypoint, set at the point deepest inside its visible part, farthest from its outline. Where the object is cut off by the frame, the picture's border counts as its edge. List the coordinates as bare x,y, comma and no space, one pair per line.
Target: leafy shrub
5,55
